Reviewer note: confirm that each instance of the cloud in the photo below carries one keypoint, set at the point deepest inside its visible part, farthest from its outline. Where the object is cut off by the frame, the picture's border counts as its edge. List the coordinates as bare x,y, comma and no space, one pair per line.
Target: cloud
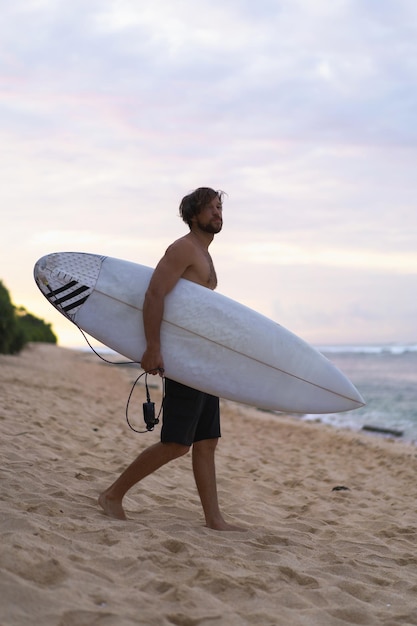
302,111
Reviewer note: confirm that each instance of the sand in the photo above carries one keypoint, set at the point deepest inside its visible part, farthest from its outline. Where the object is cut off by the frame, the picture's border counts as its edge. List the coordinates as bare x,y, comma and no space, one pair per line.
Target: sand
311,556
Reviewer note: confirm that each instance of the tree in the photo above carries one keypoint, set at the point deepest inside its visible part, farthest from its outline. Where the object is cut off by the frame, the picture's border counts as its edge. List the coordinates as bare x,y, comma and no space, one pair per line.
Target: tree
34,329
18,327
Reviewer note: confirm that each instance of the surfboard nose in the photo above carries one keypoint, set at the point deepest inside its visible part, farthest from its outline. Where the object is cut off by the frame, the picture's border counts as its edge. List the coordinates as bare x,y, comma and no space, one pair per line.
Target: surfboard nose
358,400
343,390
348,391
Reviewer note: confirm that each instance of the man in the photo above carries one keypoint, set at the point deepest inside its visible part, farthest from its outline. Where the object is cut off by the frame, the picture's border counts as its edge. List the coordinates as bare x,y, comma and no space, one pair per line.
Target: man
190,418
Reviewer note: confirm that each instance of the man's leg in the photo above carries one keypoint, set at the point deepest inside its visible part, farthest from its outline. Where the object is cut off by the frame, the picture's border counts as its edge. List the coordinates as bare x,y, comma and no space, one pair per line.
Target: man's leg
146,463
205,477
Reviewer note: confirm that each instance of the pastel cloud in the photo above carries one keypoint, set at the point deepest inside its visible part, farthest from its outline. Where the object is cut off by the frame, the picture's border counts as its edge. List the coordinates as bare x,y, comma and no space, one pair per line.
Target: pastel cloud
302,111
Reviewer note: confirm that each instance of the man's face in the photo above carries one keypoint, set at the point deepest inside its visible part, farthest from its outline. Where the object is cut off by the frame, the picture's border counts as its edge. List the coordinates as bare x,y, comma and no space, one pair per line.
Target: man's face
210,219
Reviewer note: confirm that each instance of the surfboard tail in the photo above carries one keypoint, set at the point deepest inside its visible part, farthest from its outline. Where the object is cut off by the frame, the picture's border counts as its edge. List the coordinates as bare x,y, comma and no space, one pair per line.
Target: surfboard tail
67,279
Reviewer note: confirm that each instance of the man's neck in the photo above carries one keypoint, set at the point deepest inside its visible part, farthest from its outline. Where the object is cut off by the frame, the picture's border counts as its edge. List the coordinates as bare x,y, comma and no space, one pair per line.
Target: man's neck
203,238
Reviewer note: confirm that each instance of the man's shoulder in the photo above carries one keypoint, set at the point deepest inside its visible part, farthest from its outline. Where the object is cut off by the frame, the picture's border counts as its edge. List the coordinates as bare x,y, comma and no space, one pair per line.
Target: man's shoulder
183,245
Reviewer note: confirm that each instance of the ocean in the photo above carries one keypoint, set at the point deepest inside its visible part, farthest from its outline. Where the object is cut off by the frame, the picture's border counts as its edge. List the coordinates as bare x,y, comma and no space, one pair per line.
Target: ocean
386,377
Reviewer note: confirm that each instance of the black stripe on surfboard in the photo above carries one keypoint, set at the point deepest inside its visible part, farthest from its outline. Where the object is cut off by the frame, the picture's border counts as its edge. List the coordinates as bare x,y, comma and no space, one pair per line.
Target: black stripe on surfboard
56,292
71,306
72,294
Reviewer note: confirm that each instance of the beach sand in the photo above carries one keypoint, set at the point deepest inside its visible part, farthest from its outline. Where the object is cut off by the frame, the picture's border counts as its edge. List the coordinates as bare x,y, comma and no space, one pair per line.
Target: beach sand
311,556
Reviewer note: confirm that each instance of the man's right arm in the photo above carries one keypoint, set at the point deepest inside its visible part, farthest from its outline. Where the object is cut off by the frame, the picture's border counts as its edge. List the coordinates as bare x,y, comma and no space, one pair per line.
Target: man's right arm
153,309
166,275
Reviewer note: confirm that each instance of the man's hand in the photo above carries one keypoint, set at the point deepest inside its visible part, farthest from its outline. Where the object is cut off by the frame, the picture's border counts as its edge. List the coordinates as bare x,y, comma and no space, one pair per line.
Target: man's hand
152,362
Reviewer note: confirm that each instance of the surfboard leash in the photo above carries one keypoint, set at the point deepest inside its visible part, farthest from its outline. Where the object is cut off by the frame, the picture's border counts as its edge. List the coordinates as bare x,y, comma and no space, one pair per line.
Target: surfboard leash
148,407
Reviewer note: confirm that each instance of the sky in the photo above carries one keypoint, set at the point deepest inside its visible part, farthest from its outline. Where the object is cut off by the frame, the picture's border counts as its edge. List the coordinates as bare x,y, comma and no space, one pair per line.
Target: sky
302,111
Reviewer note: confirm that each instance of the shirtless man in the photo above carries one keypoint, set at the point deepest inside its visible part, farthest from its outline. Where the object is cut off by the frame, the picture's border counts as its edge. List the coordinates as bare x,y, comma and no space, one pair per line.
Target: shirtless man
190,418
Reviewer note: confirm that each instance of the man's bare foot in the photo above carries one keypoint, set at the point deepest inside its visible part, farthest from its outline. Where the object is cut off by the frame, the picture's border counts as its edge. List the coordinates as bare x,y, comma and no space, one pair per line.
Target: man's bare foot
112,508
221,524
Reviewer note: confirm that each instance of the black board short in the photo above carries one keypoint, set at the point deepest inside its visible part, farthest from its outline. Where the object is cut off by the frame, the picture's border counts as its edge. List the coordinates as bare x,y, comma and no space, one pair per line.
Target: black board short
189,415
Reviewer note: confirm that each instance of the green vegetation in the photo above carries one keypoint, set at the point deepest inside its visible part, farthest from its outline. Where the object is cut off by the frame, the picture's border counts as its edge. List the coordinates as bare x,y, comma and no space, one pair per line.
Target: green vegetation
18,327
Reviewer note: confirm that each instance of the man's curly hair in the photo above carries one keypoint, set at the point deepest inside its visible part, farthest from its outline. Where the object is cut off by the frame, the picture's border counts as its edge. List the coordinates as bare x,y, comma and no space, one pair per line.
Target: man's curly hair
195,201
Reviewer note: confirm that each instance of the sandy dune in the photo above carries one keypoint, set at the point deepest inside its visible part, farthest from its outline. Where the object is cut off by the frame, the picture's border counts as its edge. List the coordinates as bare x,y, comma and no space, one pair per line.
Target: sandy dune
311,556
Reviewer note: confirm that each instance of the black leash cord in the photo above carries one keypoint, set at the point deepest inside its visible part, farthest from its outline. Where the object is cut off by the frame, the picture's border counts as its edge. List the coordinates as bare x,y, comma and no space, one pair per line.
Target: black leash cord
148,407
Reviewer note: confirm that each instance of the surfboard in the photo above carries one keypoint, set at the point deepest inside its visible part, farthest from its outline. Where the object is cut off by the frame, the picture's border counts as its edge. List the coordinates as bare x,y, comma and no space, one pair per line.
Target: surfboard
209,342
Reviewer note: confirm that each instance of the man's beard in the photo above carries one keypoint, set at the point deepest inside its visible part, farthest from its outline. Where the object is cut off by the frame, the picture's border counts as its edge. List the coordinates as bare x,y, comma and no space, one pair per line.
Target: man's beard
213,229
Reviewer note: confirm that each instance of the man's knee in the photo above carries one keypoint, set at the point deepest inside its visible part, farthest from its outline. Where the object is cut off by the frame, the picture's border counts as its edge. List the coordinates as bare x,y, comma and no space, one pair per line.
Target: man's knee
175,450
206,445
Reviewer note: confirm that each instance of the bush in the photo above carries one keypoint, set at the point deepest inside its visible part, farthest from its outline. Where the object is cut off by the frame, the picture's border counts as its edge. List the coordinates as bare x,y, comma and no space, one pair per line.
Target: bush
34,329
18,327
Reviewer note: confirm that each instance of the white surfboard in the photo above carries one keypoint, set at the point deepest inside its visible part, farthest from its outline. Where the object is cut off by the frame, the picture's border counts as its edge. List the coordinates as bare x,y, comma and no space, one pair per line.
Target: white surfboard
209,341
